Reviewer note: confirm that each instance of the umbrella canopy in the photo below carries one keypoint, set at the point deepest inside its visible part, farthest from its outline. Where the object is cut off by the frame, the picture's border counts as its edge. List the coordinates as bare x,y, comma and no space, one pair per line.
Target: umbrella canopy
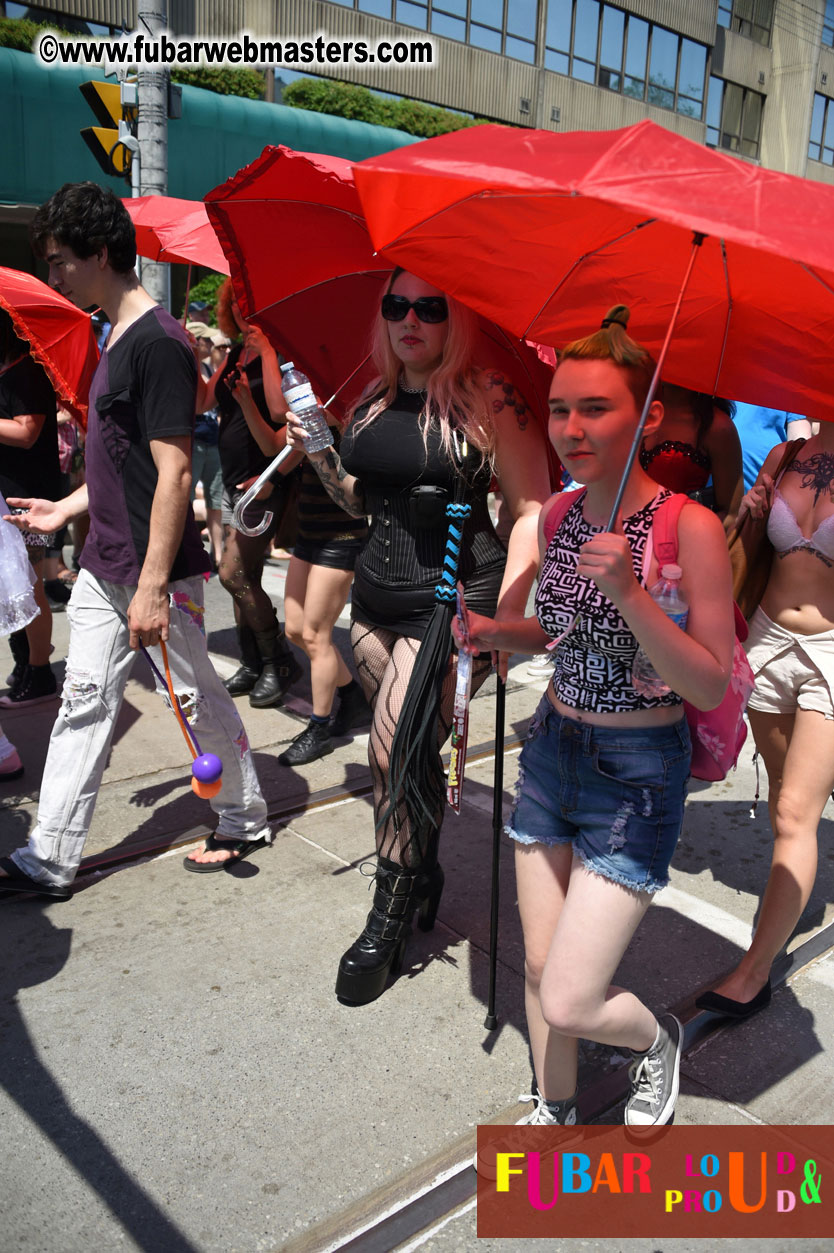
168,229
304,270
542,232
60,336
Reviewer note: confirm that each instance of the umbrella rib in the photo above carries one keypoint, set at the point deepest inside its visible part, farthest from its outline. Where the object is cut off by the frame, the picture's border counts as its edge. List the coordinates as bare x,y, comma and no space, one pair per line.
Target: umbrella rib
727,320
229,206
820,280
607,244
321,283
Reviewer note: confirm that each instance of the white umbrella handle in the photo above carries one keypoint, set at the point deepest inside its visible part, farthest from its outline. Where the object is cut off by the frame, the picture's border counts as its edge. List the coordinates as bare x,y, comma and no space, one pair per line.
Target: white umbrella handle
250,494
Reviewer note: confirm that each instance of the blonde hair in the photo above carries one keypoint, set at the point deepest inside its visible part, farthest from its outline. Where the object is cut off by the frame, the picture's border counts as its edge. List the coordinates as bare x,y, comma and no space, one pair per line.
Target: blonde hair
613,343
455,394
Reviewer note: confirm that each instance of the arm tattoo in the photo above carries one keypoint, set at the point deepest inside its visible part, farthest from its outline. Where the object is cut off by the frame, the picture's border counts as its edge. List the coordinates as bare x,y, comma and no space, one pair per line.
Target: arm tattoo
817,473
333,474
506,396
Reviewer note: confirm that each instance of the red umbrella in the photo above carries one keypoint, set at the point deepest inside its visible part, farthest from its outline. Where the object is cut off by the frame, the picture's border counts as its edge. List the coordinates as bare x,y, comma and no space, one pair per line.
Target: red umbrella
542,232
304,269
168,229
60,336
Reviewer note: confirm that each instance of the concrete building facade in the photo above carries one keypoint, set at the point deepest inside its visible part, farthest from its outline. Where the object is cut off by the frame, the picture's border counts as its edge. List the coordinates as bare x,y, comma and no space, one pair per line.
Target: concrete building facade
754,77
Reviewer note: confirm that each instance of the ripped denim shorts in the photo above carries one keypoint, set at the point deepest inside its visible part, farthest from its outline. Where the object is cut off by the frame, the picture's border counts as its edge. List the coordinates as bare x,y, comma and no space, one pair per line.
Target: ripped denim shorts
616,793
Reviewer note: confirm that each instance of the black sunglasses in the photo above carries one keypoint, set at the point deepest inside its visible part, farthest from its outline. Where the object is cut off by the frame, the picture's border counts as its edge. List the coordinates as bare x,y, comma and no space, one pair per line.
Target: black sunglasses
427,308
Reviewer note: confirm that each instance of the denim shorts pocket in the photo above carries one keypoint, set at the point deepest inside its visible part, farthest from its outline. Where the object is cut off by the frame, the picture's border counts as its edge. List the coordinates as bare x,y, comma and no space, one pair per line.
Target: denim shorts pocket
630,767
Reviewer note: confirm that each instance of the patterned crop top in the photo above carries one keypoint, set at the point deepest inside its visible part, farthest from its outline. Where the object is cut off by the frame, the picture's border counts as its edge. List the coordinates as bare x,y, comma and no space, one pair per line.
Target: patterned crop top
593,664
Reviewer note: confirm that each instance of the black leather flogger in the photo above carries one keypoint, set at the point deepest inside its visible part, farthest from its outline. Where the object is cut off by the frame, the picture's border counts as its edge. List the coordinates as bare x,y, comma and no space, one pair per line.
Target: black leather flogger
379,950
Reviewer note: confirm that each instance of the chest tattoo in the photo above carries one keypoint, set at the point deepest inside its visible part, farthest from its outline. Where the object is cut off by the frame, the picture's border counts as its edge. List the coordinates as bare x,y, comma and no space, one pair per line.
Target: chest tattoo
817,473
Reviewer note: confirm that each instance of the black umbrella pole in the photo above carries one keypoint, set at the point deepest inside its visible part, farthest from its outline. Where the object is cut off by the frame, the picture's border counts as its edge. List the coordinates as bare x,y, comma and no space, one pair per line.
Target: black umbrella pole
491,1022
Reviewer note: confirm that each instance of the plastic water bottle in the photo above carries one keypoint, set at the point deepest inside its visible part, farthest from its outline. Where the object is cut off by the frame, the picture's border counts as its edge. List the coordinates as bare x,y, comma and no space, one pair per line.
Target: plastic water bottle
298,393
667,594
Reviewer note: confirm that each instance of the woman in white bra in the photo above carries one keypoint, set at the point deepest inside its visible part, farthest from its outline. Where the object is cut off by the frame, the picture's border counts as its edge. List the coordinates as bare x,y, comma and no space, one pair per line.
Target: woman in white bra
791,651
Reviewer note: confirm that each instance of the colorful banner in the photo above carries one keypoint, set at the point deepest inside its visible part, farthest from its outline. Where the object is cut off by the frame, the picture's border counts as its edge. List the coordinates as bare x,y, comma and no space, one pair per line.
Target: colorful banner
759,1182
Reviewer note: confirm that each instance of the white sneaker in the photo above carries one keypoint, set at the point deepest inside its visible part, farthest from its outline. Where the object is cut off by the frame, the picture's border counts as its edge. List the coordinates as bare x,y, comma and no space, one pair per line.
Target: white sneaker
557,1114
655,1078
541,667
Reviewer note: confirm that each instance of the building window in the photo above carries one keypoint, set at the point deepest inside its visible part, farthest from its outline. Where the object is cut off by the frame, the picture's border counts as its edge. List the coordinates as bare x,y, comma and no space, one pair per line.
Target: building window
828,24
734,117
821,146
598,43
503,26
753,18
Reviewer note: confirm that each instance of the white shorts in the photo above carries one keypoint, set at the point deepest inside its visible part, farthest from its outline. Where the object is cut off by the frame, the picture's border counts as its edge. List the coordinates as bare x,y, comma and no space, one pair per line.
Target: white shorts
791,671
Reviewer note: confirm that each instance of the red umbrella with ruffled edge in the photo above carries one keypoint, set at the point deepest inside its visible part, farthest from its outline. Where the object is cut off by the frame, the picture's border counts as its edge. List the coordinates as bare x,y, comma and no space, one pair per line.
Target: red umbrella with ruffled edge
169,229
60,336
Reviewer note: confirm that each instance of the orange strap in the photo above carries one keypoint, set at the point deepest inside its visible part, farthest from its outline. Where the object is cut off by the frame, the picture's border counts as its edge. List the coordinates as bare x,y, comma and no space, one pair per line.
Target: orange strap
175,703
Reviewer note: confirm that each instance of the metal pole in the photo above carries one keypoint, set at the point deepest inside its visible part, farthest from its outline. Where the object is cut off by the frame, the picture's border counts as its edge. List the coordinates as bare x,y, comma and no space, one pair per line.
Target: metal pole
152,133
491,1021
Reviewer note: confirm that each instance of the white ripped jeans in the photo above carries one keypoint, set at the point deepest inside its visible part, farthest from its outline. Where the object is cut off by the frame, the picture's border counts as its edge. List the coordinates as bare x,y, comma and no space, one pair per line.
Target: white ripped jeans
98,666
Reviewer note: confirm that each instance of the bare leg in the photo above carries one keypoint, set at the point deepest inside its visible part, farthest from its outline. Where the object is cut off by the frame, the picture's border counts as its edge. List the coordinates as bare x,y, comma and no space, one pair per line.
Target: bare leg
570,961
215,530
314,596
798,752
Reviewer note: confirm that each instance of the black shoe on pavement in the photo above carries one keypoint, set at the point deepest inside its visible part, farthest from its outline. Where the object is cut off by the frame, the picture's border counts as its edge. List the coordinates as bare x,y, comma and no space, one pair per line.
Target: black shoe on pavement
276,678
242,681
313,742
37,685
353,711
57,590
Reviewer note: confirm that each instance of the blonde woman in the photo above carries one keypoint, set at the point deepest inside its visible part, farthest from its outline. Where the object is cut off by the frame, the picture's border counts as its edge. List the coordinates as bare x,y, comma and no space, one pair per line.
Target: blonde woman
430,427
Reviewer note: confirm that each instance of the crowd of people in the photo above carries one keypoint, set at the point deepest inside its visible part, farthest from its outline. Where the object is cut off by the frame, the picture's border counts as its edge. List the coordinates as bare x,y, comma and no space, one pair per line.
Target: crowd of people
396,514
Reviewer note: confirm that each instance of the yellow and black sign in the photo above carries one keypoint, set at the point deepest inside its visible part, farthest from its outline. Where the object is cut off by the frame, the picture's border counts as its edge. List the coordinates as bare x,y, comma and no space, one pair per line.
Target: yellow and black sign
104,140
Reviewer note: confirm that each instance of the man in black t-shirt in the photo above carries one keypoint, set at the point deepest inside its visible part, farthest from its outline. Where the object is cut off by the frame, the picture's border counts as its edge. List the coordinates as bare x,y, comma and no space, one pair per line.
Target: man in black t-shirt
142,567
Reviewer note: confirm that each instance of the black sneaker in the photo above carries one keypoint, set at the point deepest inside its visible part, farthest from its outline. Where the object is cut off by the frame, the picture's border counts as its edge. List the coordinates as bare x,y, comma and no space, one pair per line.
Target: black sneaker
353,711
313,742
37,685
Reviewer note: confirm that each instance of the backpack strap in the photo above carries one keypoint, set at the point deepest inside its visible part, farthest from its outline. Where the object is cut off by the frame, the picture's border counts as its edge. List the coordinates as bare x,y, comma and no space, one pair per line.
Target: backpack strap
556,511
664,532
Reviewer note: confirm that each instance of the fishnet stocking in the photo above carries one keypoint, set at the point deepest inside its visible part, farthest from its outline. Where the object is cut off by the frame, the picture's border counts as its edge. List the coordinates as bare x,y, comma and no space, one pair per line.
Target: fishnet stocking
384,661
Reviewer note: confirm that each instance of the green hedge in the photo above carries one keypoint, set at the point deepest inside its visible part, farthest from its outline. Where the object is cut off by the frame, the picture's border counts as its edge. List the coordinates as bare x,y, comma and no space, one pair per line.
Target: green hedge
362,105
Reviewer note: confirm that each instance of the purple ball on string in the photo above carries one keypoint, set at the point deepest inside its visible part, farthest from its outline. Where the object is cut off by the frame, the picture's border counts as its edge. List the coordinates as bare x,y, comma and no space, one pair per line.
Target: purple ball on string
207,768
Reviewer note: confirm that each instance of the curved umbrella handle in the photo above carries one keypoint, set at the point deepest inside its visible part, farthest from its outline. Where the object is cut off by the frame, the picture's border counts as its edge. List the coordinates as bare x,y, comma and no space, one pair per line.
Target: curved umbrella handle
250,494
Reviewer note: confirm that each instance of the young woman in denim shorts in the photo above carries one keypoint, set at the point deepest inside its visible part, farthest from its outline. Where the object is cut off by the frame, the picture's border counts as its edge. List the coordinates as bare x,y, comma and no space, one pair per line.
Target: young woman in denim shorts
602,777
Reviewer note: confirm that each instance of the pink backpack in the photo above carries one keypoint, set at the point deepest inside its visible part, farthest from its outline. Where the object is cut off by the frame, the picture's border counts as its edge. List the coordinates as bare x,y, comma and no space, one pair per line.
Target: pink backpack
718,734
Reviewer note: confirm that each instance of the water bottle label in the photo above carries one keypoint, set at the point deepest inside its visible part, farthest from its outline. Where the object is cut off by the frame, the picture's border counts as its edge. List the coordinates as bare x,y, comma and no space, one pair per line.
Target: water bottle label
300,397
680,619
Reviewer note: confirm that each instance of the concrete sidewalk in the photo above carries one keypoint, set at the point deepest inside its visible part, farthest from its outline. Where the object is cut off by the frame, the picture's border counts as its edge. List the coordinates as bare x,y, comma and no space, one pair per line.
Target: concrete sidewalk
176,1073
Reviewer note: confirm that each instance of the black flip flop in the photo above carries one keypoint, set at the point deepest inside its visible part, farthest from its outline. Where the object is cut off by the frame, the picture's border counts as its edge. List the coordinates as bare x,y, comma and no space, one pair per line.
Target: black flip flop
17,881
238,848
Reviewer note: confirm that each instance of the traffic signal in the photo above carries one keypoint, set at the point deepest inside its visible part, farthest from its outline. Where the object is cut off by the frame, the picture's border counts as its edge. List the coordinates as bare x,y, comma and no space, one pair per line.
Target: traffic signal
114,105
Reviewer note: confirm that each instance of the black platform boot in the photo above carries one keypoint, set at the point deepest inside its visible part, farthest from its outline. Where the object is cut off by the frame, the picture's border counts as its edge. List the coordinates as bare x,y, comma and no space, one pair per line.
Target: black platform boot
379,950
248,673
280,669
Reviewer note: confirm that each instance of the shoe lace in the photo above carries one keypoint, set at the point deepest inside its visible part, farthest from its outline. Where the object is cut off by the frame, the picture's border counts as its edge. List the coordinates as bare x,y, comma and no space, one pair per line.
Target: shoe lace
646,1075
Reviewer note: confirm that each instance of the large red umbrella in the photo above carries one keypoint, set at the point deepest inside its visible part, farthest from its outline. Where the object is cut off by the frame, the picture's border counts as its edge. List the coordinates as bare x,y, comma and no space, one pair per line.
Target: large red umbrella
168,229
304,270
543,231
59,334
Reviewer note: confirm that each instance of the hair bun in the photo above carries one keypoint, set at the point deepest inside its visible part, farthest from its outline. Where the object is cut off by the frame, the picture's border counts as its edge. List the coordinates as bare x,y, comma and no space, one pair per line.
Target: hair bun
617,315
